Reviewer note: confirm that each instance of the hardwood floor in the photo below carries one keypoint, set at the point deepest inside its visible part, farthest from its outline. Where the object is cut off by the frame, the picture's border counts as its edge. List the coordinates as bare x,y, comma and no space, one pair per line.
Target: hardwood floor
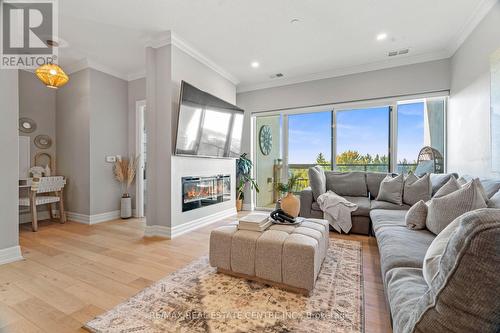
74,272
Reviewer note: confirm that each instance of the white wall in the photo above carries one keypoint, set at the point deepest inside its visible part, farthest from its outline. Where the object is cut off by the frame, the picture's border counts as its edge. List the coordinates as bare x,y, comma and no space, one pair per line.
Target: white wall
9,113
469,148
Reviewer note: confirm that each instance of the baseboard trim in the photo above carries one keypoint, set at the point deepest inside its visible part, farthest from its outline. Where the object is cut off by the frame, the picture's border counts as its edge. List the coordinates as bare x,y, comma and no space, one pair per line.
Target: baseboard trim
10,254
93,219
178,230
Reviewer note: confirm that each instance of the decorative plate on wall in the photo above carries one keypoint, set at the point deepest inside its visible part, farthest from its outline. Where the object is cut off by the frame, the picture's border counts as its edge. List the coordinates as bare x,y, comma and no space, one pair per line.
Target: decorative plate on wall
43,141
265,139
27,125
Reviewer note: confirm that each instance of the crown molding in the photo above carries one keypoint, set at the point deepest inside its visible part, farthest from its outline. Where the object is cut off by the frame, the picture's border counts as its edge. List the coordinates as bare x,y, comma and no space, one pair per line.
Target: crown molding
337,72
136,76
170,38
89,63
477,16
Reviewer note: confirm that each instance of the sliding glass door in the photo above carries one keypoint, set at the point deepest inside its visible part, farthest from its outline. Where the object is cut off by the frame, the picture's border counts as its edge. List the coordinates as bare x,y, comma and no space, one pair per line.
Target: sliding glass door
268,159
383,137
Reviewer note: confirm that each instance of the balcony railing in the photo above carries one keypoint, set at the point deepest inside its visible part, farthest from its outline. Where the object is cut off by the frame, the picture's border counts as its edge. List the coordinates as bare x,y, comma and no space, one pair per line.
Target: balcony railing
302,170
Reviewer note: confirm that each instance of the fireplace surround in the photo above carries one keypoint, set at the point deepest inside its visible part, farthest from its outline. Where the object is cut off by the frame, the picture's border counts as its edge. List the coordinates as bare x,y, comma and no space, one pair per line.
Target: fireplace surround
198,192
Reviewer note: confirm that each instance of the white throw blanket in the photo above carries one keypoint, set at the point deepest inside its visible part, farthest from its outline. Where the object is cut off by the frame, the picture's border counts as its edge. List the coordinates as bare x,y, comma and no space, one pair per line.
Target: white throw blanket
337,211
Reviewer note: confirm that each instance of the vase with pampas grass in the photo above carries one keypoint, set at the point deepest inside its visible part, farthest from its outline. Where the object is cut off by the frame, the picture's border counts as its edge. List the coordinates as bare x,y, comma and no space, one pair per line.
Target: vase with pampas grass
124,171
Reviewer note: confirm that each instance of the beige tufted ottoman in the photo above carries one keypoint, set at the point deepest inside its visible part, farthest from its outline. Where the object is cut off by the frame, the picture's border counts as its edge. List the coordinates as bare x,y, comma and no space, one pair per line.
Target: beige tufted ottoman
285,256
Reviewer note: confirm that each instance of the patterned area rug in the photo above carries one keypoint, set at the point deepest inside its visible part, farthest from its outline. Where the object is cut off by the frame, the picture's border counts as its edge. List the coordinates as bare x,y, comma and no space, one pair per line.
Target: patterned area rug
197,299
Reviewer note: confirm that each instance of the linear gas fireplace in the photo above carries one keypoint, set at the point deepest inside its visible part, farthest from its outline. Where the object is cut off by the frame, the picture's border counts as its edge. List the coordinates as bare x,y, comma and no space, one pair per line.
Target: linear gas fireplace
199,192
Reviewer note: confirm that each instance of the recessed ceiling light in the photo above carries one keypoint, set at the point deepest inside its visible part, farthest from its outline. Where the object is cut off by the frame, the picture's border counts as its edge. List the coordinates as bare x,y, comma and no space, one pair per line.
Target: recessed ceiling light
382,36
294,20
255,64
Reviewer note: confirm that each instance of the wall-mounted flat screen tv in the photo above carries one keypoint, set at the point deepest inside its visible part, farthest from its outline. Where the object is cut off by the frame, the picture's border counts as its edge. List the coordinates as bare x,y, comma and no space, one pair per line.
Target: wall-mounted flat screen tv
207,125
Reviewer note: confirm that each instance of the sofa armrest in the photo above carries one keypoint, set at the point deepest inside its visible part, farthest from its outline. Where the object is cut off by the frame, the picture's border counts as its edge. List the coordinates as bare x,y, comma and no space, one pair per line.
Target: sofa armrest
306,201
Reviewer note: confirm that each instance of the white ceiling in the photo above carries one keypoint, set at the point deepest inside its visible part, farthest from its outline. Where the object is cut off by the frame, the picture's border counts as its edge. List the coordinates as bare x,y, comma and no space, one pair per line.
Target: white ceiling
331,38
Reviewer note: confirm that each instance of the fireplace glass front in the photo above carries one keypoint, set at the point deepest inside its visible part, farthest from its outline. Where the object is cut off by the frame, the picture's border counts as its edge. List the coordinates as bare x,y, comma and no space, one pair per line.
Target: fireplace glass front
199,192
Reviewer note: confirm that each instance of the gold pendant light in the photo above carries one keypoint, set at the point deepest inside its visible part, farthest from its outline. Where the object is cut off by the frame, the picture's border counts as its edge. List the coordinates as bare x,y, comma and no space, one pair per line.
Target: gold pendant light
52,75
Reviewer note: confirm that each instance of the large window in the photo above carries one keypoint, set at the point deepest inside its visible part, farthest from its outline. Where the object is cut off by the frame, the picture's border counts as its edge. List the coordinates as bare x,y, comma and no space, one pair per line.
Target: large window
382,138
363,139
419,123
309,143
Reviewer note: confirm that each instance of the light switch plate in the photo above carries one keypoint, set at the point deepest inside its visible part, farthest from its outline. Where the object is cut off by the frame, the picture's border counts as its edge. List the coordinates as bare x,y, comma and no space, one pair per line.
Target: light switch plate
111,159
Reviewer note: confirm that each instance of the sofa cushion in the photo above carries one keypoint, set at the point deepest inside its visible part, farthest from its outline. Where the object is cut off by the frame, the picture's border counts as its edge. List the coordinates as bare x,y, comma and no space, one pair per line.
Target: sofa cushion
373,180
377,204
416,189
463,296
442,211
416,216
347,183
363,205
402,247
450,186
405,288
317,181
439,179
391,189
383,218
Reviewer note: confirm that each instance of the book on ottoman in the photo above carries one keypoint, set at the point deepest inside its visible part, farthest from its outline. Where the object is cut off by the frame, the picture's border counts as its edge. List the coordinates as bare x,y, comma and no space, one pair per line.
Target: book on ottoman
254,222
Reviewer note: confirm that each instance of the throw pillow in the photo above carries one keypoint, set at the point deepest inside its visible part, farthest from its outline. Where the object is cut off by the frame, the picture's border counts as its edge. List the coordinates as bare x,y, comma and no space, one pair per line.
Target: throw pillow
317,181
436,250
391,189
443,210
481,189
494,202
416,189
416,216
451,186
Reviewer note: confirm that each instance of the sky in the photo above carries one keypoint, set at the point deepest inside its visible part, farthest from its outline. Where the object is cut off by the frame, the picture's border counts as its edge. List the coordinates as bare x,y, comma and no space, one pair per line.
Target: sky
363,130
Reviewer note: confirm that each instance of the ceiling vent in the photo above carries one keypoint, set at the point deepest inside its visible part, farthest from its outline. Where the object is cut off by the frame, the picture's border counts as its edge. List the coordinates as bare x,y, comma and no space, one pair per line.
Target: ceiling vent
276,76
398,52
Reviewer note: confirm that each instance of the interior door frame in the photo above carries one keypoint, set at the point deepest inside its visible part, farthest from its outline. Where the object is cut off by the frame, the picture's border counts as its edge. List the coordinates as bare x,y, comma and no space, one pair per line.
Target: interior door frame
140,108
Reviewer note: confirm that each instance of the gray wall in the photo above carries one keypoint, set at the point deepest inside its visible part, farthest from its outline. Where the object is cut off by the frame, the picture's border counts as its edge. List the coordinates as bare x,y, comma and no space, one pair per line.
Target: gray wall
73,135
9,113
403,80
469,148
108,136
38,102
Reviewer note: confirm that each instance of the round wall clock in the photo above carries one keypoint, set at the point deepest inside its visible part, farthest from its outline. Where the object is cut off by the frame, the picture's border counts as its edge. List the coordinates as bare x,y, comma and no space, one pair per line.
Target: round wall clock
265,139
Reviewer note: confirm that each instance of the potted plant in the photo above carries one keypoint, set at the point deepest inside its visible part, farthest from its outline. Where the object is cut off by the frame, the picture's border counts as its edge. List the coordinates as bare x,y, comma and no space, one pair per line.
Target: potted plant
124,171
244,179
289,202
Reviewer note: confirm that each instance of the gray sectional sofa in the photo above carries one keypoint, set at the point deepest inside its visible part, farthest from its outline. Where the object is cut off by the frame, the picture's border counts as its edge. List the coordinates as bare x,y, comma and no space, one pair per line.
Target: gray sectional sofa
465,295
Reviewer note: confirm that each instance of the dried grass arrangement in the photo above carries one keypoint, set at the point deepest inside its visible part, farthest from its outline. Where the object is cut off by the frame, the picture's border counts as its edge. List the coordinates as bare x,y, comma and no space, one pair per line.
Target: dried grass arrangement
124,170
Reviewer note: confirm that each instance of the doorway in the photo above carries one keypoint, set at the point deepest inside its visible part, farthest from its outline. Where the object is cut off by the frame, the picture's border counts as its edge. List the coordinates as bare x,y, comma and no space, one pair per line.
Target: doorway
141,152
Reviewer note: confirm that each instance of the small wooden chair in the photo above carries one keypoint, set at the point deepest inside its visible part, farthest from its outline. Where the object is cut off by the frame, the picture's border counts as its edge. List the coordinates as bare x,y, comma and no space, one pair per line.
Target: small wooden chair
53,189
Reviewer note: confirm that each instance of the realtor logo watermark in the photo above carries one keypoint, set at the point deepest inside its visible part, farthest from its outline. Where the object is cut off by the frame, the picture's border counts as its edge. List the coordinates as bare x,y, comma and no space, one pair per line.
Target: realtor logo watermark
28,30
